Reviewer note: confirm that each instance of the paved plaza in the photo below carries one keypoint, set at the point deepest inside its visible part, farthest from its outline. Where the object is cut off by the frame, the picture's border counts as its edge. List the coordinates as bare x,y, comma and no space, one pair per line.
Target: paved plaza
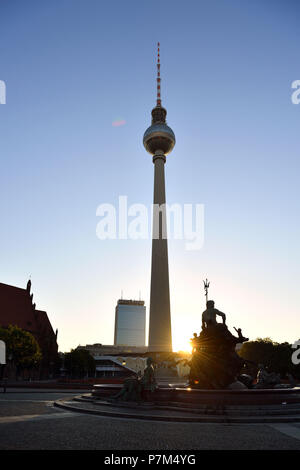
28,420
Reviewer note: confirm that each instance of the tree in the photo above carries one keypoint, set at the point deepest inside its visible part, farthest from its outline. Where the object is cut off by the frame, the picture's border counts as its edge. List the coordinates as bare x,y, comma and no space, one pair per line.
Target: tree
277,357
21,346
79,363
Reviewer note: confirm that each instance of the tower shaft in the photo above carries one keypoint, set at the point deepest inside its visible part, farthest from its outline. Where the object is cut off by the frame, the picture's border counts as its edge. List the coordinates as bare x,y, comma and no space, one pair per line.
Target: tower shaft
159,141
160,338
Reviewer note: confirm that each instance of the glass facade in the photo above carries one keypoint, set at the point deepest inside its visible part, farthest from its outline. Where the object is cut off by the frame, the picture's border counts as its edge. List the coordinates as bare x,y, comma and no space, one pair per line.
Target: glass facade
130,323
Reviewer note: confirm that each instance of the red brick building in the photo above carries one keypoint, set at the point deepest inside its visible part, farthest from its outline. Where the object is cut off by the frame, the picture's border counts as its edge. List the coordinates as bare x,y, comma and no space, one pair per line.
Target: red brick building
17,308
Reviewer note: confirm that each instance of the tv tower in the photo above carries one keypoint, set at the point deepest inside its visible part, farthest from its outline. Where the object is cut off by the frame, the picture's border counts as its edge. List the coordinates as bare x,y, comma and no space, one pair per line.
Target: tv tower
159,140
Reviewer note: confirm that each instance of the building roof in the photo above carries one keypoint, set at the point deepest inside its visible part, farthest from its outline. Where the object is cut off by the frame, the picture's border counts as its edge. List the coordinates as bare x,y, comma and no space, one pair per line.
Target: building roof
130,302
16,307
43,322
114,350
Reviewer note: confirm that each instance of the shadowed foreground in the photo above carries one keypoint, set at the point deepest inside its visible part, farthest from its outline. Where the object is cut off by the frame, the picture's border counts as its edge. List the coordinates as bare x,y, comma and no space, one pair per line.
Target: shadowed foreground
28,421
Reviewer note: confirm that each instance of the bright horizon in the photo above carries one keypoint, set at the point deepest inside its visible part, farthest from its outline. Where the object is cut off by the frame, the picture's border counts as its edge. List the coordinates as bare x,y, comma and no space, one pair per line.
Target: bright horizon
80,86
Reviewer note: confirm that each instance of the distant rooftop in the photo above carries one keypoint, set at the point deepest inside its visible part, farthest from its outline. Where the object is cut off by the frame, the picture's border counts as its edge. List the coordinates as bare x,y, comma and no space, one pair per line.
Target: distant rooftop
130,302
104,349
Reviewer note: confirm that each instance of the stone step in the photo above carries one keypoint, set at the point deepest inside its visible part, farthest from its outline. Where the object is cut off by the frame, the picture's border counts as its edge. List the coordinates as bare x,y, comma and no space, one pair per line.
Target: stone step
239,411
245,411
175,416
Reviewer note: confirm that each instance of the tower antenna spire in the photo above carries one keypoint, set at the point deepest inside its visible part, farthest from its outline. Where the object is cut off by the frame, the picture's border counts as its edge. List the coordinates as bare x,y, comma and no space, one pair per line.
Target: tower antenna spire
158,80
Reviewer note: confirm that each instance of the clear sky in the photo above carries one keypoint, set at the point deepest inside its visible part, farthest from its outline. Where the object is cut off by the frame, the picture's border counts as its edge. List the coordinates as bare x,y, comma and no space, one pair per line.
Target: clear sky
72,68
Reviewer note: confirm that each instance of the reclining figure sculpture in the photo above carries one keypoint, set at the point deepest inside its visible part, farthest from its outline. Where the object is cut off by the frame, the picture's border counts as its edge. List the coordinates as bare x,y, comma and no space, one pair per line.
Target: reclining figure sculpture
137,388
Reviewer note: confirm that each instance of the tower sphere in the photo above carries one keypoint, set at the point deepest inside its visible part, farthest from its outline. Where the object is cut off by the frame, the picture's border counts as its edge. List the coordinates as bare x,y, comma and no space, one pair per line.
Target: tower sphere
159,136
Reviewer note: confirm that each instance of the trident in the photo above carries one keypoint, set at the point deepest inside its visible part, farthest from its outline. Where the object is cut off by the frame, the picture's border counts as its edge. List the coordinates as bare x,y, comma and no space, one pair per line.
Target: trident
206,286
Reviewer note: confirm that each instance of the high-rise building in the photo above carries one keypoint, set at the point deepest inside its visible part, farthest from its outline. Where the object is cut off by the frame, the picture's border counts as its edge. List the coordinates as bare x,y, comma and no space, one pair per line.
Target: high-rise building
159,140
130,323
